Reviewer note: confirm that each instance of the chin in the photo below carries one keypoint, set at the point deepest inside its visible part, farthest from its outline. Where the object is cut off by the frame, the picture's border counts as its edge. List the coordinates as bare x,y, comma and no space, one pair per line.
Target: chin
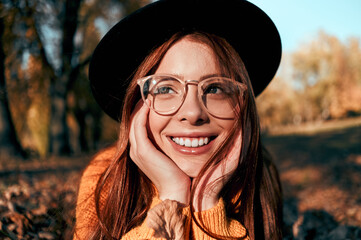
190,165
191,171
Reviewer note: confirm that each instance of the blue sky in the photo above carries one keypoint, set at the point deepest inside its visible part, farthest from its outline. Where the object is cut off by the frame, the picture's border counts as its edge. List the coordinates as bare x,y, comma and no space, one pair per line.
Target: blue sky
299,21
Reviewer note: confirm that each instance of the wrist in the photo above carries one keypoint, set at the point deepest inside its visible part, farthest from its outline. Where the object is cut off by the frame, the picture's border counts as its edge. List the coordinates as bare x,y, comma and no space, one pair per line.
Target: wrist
181,196
178,192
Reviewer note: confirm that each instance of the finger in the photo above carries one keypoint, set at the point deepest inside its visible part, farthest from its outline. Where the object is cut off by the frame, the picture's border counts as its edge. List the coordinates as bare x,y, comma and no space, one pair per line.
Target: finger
217,176
139,110
228,165
132,139
140,125
136,109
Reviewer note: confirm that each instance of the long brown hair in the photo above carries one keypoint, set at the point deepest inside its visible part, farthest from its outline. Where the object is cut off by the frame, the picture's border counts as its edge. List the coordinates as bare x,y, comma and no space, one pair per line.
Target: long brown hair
252,195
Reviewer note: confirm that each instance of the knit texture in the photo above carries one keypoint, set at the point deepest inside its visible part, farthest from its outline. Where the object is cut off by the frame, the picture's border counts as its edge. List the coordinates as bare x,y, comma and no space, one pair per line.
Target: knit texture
214,219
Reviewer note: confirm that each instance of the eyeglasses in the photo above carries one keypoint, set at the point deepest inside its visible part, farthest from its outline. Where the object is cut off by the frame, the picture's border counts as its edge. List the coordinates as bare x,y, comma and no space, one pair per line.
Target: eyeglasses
220,96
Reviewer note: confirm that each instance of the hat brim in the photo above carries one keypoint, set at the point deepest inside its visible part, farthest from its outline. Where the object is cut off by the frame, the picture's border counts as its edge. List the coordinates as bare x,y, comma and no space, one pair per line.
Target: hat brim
246,27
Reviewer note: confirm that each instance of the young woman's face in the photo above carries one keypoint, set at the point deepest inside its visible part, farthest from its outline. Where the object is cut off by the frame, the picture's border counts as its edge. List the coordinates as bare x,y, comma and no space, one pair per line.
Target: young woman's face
191,124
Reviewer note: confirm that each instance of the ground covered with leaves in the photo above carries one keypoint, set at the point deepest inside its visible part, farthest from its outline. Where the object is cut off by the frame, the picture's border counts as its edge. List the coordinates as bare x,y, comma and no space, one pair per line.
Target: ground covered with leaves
38,197
320,174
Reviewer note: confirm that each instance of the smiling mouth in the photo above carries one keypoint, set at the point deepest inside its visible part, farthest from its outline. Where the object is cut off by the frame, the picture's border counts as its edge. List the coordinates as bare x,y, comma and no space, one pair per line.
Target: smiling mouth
192,142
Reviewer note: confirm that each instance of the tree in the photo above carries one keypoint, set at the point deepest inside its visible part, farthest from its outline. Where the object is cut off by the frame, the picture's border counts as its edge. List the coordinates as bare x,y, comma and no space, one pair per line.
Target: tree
325,83
25,81
9,144
46,63
328,76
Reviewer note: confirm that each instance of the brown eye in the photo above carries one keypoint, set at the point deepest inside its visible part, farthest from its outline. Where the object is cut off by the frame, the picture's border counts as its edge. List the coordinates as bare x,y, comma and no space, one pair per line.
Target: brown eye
164,90
213,89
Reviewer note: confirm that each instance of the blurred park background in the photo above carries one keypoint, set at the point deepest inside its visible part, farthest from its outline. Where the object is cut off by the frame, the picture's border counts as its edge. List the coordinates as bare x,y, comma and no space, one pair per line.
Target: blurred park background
50,125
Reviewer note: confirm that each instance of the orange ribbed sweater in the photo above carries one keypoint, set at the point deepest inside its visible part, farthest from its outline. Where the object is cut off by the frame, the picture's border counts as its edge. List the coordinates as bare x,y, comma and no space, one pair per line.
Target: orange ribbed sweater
214,219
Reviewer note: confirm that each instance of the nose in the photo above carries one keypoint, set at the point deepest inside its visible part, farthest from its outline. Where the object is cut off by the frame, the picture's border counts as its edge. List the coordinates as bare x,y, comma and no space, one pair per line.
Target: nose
192,110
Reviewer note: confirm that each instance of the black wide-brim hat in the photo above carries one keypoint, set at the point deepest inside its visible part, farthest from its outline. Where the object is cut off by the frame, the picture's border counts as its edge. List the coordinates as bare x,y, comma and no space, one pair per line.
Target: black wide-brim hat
246,27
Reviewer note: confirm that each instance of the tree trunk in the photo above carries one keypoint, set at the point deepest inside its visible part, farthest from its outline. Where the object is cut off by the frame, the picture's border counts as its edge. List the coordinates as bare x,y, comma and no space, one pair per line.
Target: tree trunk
60,144
9,144
59,131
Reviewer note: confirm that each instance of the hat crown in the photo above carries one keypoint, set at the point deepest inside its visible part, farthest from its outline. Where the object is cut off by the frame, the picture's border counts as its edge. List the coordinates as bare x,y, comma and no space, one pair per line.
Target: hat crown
242,24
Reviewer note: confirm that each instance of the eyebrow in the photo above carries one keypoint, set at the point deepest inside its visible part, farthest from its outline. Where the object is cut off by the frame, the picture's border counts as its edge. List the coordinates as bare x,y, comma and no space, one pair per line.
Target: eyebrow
201,78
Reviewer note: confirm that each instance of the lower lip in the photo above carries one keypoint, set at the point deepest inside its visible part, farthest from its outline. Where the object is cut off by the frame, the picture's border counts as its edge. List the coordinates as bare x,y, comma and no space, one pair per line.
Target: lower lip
191,150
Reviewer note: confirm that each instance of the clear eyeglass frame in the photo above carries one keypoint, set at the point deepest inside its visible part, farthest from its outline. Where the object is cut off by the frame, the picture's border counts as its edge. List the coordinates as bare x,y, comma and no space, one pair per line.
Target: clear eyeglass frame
241,87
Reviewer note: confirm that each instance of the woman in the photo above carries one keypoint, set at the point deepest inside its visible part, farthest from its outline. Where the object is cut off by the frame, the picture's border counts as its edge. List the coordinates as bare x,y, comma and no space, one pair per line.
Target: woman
181,78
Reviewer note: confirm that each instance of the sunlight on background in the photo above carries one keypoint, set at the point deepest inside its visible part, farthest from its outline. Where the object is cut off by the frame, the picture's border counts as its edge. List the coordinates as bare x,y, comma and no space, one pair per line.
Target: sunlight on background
318,78
50,125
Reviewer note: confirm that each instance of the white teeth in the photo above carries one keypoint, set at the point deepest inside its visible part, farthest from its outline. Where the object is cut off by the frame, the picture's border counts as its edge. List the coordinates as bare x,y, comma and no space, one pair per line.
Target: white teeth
187,142
195,143
191,142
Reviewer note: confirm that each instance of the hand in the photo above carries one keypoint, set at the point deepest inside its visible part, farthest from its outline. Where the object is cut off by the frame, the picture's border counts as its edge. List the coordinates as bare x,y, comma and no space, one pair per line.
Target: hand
170,181
211,183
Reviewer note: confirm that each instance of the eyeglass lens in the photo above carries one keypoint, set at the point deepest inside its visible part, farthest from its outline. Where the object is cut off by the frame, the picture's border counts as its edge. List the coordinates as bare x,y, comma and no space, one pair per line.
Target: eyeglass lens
166,94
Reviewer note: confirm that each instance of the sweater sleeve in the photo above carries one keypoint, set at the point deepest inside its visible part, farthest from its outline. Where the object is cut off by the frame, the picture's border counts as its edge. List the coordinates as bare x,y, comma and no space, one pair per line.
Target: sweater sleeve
142,231
214,219
86,217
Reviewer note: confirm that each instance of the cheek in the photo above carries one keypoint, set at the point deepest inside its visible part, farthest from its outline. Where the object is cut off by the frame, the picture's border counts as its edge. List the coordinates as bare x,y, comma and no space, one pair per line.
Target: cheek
226,125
